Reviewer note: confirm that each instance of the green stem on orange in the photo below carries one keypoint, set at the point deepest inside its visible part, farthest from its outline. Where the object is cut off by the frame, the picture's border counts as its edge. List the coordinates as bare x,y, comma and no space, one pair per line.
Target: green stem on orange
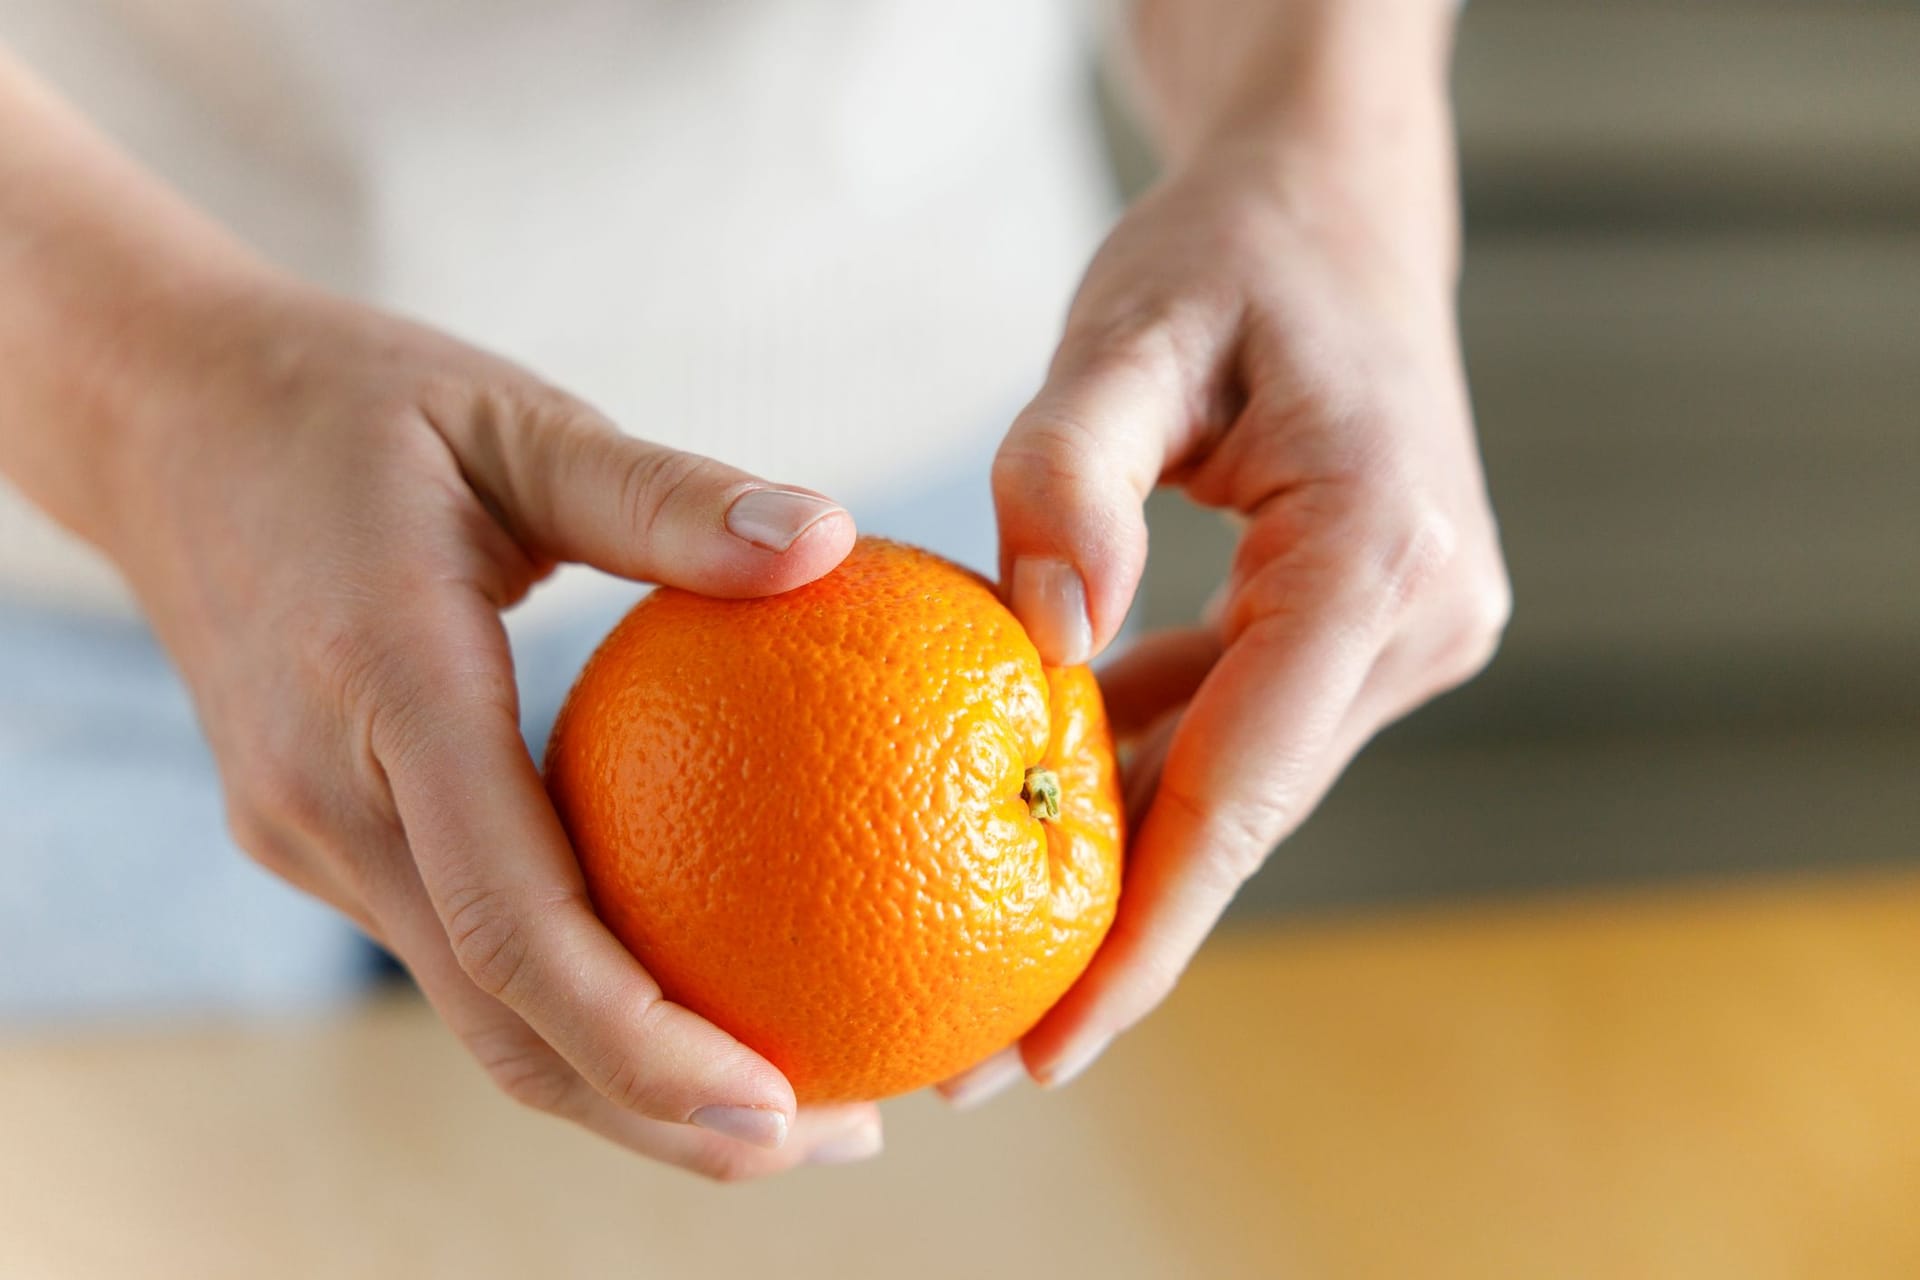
1042,793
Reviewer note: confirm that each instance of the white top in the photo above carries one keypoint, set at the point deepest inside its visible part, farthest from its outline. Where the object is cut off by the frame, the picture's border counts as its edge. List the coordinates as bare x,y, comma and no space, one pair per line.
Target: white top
829,242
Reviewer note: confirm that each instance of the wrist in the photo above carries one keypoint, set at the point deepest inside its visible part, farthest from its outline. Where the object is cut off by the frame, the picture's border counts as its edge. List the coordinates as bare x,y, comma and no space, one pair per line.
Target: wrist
1207,68
1337,113
107,285
134,368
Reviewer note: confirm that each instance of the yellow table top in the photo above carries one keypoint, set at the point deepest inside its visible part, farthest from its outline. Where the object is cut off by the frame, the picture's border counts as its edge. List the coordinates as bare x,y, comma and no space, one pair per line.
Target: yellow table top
1691,1083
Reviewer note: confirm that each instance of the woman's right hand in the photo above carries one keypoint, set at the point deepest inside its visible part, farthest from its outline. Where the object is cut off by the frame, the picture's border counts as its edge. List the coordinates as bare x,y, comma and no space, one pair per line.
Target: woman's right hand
323,510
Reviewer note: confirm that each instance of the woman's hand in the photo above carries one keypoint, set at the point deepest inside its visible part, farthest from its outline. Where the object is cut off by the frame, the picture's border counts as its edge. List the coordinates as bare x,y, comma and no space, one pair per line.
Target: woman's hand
1272,330
323,512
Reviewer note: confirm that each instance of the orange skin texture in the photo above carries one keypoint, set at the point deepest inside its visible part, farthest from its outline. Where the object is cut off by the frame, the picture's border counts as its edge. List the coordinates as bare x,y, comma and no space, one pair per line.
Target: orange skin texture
803,815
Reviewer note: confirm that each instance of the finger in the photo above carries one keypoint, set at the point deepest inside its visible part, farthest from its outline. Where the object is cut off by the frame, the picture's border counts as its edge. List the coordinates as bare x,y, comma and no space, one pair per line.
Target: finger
821,1136
830,1135
531,1072
571,486
985,1079
1068,484
1163,684
1243,768
508,893
1159,671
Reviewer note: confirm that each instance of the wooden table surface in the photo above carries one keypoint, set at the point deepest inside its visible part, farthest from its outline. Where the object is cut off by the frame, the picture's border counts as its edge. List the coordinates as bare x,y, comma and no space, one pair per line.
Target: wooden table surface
1700,1083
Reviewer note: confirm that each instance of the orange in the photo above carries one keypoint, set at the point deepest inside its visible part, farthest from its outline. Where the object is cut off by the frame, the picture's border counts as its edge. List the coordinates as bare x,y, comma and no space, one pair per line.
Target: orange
857,825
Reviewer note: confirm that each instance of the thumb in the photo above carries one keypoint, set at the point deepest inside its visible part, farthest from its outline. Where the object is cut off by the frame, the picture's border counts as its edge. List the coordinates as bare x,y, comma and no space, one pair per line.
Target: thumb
571,486
1068,484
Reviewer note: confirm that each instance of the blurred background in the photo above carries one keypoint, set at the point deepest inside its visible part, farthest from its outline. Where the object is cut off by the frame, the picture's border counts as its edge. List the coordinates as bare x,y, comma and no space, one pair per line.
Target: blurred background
1691,310
1606,965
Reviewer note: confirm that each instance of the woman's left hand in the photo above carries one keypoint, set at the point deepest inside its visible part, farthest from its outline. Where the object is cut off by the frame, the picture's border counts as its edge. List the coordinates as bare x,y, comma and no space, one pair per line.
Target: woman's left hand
1272,330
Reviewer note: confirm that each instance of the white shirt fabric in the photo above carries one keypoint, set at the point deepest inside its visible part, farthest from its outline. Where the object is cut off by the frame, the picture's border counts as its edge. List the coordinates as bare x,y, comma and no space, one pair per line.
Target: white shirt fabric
828,242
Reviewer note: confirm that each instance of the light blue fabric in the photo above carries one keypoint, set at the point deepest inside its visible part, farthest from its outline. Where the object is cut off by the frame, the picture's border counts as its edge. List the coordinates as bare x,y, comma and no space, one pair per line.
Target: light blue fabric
120,892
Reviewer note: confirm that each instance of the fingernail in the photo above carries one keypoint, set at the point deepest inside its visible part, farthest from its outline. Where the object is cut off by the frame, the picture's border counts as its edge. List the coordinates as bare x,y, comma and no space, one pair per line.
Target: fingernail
862,1143
773,519
1067,1067
1051,602
760,1126
983,1080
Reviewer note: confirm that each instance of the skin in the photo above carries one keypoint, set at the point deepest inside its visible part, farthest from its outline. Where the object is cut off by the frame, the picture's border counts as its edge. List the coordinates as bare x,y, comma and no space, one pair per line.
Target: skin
1272,329
323,509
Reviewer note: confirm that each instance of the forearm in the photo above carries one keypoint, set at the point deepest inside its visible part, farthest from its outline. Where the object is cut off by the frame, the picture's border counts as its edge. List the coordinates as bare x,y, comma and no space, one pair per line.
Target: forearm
1350,94
106,278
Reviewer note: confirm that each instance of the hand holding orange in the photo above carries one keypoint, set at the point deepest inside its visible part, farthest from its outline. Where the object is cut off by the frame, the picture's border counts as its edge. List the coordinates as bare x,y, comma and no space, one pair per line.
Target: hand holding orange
858,825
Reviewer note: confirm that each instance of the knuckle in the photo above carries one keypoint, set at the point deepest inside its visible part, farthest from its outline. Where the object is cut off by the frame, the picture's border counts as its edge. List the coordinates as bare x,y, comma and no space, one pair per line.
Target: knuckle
1056,465
417,708
1420,546
490,939
654,481
1234,839
1048,450
1483,610
1141,345
1241,838
536,1086
1491,603
340,652
623,1084
528,1072
1145,350
401,724
1410,546
1151,334
621,1079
